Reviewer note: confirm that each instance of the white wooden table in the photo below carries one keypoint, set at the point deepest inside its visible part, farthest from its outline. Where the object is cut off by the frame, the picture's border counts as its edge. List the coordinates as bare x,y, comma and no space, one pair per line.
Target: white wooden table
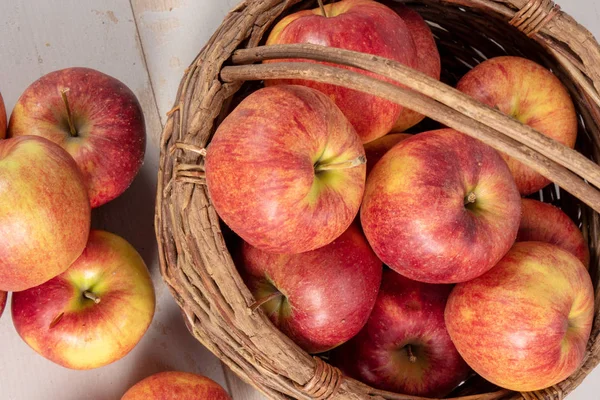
147,44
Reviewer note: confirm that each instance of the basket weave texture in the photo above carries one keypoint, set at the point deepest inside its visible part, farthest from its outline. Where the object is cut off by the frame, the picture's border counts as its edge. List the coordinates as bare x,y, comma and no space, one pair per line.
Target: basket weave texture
193,247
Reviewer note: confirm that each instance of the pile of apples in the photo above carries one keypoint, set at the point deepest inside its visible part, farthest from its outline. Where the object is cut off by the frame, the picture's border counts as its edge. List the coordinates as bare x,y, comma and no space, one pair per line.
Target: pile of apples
410,260
81,298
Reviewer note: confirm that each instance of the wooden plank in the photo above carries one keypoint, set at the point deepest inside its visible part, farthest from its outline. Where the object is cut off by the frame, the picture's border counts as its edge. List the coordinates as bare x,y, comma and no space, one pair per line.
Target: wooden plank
36,38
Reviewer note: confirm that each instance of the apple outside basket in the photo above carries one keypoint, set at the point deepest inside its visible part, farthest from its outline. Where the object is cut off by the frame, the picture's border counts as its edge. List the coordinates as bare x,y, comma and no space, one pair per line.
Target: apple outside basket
195,261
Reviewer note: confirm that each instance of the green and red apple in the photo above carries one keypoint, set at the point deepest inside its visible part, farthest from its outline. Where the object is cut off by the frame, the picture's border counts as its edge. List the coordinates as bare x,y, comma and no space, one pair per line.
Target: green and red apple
541,222
2,118
360,25
285,170
320,298
531,94
44,212
405,347
525,324
441,207
376,149
175,385
93,116
92,314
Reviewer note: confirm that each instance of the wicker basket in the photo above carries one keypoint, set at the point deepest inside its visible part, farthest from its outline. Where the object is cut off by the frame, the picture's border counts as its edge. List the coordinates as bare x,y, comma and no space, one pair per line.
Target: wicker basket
194,256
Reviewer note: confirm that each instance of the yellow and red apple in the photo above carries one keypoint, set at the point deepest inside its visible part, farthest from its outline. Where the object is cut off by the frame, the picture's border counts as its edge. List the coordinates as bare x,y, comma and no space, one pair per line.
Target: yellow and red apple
441,207
531,94
92,314
44,212
320,298
541,222
525,324
376,149
346,25
176,385
2,118
93,116
285,170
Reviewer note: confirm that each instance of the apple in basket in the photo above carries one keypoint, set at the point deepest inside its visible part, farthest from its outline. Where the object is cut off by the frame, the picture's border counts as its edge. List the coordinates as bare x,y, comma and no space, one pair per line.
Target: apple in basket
93,116
92,314
44,212
541,222
345,25
441,195
2,118
285,170
377,148
532,95
320,298
3,296
525,324
175,385
405,347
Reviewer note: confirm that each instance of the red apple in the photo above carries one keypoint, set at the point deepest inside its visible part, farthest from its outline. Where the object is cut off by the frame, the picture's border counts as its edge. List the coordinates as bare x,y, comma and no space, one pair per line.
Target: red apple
525,324
285,170
93,116
404,347
3,296
2,118
321,298
44,212
541,222
92,314
174,385
376,149
428,58
532,95
441,207
360,25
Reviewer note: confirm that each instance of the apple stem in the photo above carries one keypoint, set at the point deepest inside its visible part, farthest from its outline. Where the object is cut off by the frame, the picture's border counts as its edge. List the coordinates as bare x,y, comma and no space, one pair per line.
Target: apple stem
56,320
341,165
471,198
411,356
264,300
322,8
72,129
89,295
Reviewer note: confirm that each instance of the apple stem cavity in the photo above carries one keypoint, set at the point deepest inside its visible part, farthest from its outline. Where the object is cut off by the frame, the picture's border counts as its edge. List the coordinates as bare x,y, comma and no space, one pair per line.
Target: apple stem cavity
264,300
360,160
89,295
322,8
411,356
72,130
470,198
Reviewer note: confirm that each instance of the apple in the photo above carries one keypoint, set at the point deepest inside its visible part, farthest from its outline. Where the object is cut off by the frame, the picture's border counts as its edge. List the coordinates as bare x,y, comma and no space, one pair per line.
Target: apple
320,298
441,207
530,94
92,314
175,385
376,149
3,296
525,324
361,25
285,170
93,116
428,58
2,118
541,222
405,347
44,212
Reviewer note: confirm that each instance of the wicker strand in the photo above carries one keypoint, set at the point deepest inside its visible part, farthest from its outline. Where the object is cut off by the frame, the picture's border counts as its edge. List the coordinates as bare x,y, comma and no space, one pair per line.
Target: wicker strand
325,382
534,16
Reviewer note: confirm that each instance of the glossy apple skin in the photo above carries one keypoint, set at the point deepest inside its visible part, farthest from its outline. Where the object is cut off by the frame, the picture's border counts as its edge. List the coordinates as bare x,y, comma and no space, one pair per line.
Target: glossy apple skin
2,118
532,95
541,222
525,324
346,26
428,58
175,385
89,335
3,296
111,134
260,170
328,293
406,313
44,210
414,212
376,149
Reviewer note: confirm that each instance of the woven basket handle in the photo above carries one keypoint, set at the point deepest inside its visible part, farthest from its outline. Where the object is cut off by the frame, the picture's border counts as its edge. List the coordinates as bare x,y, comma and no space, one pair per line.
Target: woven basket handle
427,96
